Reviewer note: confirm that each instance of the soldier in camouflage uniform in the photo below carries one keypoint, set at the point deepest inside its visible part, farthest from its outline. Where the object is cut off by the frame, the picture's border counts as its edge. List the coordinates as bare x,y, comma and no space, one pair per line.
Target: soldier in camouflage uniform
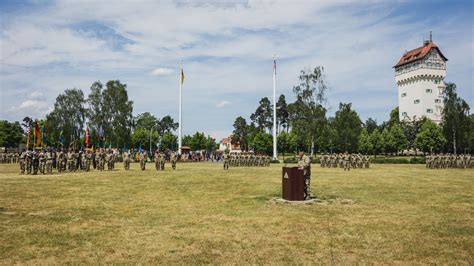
173,160
305,164
143,158
346,162
226,161
22,160
49,162
35,162
126,160
42,162
156,157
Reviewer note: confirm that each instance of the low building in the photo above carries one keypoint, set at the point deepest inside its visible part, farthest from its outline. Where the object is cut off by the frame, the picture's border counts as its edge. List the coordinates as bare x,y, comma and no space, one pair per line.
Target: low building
226,144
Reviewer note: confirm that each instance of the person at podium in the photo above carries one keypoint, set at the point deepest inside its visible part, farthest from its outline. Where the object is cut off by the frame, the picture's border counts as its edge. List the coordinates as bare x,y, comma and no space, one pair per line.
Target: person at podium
304,163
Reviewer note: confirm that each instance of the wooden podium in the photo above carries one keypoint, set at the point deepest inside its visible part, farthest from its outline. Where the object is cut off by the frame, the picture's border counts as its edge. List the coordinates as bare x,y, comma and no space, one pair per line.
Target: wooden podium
292,183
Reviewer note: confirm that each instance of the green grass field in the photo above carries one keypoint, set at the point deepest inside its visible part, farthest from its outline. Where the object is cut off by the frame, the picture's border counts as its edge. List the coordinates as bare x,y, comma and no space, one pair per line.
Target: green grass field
202,214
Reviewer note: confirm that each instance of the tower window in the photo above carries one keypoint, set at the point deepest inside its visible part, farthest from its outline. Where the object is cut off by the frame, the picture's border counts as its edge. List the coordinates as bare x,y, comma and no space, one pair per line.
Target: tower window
436,81
416,101
429,111
404,94
404,114
437,101
429,90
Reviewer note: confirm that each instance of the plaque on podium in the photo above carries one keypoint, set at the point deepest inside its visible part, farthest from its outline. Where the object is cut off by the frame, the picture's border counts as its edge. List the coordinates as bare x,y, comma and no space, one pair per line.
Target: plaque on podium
292,183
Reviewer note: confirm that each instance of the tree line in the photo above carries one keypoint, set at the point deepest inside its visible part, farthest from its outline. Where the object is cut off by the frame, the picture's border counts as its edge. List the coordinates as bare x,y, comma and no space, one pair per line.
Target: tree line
305,125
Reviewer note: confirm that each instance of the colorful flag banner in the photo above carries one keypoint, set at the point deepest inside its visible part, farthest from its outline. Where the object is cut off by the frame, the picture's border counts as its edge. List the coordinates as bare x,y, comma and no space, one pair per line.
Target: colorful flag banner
61,137
182,76
37,135
43,135
28,138
87,137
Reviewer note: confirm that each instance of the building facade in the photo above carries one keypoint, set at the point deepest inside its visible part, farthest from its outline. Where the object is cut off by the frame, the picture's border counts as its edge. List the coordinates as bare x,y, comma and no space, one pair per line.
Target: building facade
420,77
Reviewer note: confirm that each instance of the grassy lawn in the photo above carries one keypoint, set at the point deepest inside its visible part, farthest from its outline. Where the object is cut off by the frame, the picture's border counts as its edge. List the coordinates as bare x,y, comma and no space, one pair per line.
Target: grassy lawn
202,214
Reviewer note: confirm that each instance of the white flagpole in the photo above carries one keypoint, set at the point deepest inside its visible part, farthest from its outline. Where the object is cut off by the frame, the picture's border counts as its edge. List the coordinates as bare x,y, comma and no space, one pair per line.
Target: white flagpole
180,128
275,156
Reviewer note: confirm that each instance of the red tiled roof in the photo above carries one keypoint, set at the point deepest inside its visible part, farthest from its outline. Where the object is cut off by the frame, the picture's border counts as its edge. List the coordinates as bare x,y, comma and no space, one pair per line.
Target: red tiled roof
418,53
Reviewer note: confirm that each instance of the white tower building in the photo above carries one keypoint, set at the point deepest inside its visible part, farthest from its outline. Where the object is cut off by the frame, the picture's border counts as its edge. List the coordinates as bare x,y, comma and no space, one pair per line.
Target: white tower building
420,77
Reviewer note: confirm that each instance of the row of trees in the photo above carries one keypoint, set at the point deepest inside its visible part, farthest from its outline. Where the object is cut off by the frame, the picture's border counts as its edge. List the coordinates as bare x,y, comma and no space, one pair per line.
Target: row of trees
304,125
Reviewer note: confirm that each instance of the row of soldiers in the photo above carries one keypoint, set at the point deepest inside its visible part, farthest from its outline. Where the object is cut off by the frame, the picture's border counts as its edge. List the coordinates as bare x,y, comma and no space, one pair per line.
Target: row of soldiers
344,160
9,158
44,160
245,159
442,161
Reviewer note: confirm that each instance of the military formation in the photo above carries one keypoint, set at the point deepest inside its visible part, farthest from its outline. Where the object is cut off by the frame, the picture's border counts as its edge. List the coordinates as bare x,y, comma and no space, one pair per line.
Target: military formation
344,160
9,157
43,161
444,161
245,159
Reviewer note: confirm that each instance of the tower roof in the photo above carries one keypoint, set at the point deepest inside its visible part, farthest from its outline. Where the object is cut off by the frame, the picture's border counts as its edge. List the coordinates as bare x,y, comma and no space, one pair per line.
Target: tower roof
418,54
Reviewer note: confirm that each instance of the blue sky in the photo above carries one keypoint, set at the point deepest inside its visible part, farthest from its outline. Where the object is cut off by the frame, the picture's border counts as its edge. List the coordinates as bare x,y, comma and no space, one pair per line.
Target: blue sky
226,49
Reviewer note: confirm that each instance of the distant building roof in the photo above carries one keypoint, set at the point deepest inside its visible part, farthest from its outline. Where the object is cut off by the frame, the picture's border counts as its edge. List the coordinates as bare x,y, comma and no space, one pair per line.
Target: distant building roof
418,53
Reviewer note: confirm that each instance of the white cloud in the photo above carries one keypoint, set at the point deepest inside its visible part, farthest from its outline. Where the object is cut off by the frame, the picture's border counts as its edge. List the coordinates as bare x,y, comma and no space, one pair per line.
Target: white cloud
35,95
162,71
32,108
222,104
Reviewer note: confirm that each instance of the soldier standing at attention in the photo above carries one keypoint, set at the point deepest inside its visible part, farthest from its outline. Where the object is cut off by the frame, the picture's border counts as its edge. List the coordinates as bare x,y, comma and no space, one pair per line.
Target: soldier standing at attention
126,160
346,162
22,162
157,160
226,161
143,160
304,163
173,160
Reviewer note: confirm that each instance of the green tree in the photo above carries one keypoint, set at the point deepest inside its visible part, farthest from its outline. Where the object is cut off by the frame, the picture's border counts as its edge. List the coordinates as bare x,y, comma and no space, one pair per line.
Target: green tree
399,139
196,142
455,120
166,124
282,114
68,116
286,143
263,116
348,127
365,146
370,125
145,120
307,115
388,142
169,141
430,138
394,117
262,143
241,133
11,134
376,142
411,128
141,137
117,113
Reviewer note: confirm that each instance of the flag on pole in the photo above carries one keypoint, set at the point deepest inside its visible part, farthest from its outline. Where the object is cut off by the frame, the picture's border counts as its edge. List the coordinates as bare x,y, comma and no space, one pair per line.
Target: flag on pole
182,76
140,148
87,137
274,66
37,135
27,138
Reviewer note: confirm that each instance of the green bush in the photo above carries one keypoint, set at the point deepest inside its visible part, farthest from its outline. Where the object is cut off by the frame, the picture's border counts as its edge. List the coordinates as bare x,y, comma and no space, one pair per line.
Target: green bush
418,160
274,161
290,160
